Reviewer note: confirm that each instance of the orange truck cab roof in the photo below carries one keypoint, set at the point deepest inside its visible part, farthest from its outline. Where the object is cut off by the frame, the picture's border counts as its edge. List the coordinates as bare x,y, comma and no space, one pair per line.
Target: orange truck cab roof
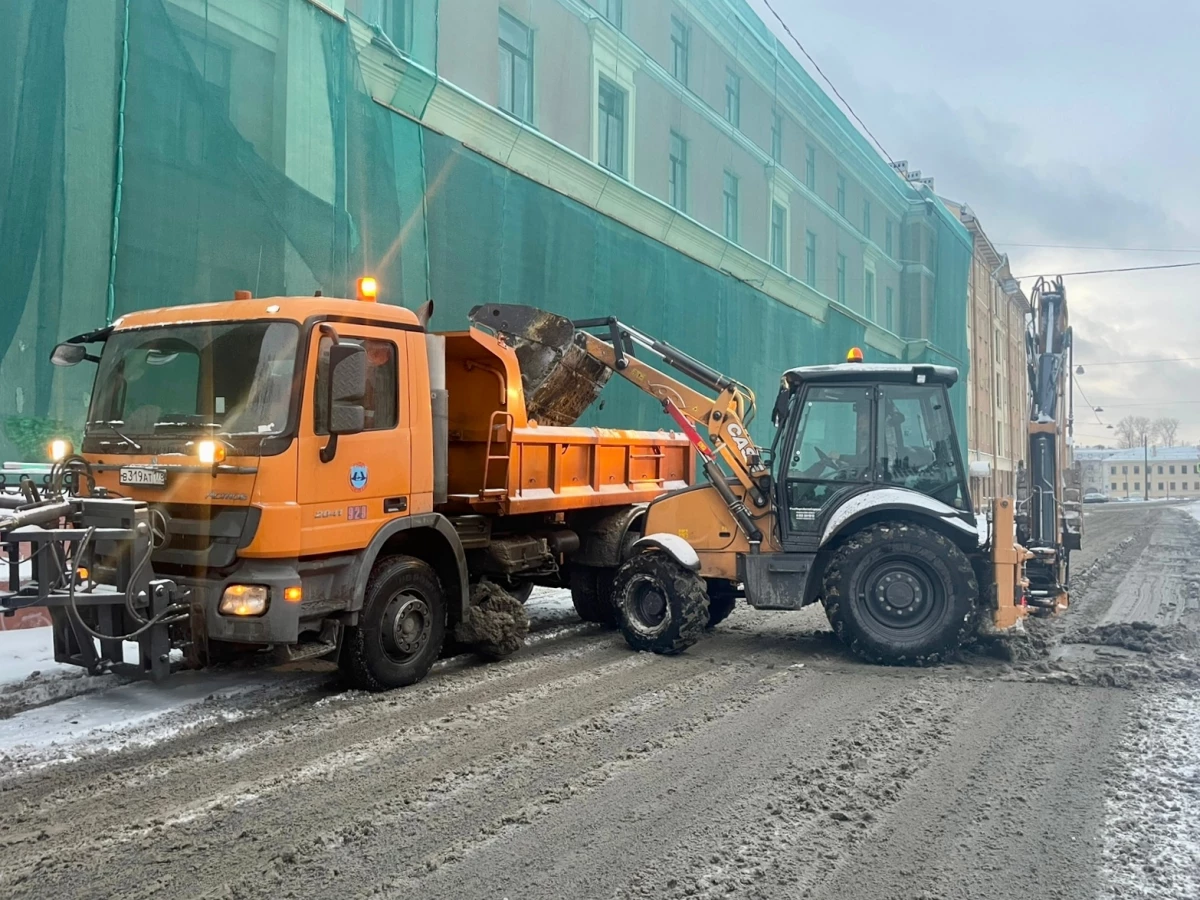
299,309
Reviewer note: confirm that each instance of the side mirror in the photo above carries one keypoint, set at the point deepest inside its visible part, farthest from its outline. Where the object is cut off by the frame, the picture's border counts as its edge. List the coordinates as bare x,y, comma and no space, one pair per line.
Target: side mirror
68,354
344,396
347,386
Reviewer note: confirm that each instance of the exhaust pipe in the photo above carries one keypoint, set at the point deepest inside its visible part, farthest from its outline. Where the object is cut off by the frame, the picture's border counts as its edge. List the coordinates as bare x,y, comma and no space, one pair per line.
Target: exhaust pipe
439,402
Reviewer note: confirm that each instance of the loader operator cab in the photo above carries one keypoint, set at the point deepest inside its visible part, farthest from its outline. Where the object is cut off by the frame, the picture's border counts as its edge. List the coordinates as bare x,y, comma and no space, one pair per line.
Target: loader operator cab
852,428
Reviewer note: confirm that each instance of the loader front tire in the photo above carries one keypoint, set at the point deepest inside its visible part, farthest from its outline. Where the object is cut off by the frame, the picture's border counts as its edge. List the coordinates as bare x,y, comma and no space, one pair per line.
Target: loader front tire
401,627
900,594
663,605
722,598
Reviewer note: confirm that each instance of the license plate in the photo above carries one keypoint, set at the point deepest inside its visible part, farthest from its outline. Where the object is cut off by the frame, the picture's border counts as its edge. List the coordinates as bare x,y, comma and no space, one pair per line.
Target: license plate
143,476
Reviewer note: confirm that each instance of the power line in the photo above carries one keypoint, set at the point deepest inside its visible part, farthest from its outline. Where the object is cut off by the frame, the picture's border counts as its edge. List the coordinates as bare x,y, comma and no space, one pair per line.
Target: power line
1135,362
1086,400
1128,269
1093,247
832,86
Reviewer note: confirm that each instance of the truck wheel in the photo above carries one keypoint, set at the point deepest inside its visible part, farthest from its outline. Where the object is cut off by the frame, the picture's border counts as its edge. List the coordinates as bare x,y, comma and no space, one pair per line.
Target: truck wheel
591,593
722,598
400,629
663,605
900,594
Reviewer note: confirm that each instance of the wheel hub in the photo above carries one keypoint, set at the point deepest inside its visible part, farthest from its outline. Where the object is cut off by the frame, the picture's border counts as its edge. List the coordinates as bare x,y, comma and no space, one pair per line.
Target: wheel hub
411,625
648,609
899,594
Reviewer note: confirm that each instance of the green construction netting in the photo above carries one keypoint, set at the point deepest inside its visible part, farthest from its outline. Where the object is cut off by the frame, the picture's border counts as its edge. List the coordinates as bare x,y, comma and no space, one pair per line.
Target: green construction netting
158,152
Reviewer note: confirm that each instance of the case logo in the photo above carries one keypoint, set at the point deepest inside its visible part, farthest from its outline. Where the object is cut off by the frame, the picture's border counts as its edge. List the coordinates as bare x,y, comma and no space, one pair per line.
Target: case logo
358,477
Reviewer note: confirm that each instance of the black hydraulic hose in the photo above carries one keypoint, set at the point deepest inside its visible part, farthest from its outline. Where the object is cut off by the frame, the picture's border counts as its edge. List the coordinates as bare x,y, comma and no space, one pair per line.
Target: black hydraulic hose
172,615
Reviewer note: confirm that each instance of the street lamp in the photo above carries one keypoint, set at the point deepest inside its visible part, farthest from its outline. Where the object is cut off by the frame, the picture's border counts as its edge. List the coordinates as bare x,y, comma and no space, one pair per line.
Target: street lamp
1146,467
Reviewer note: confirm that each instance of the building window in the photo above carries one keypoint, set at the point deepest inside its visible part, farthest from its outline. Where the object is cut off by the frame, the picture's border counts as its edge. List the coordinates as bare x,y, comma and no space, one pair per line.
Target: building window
1125,486
1137,470
1114,485
1172,470
1112,470
1160,485
394,17
777,138
887,236
679,51
1172,486
612,127
733,98
867,219
730,196
1124,470
999,390
677,178
841,278
810,167
841,195
1137,485
613,10
778,236
810,259
1160,471
516,68
999,342
889,309
869,294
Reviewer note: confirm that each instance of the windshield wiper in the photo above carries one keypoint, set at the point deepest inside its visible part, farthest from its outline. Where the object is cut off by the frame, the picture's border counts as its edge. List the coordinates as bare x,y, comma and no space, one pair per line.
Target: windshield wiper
112,424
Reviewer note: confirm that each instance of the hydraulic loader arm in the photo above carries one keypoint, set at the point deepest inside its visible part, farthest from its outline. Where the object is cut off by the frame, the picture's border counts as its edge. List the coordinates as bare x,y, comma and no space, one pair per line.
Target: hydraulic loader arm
563,363
724,418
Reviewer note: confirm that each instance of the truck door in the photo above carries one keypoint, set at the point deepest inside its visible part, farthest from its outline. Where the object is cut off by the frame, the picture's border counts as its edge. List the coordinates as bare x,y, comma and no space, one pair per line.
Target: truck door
344,501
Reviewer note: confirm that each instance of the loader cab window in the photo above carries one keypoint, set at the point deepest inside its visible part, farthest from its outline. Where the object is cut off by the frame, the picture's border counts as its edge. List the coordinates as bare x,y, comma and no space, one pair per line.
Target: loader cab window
380,407
831,450
916,445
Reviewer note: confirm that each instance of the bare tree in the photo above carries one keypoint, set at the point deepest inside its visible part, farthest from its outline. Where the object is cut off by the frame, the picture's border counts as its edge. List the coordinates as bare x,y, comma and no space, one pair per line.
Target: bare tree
1165,429
1132,430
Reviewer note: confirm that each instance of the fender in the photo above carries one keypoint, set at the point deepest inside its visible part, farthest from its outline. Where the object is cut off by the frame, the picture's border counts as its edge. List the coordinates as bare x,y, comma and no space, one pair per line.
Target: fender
673,545
902,499
433,521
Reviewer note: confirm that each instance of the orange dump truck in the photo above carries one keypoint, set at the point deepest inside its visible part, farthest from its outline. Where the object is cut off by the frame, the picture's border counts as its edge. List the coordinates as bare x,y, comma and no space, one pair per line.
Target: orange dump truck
319,477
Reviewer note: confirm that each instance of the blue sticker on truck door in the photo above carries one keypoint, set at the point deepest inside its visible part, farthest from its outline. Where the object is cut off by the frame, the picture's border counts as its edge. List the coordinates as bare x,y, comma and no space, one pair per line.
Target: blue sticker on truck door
358,477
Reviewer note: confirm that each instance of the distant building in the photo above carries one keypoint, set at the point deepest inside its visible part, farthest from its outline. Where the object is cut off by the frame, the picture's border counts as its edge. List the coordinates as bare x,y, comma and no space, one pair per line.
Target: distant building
1169,472
997,382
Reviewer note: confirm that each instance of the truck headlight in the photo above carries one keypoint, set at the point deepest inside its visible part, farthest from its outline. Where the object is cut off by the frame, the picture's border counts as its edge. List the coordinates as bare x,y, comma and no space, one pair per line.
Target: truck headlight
243,600
210,452
60,449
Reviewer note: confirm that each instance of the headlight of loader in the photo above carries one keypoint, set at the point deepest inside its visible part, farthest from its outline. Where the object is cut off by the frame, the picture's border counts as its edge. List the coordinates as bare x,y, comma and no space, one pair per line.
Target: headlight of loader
60,449
243,600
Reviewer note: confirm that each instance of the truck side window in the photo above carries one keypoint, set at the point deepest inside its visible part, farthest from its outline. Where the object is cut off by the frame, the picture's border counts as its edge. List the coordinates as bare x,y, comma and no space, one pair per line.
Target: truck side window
381,401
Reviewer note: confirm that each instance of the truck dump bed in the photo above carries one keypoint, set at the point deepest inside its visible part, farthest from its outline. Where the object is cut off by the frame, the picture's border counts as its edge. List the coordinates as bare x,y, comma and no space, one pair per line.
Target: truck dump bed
502,462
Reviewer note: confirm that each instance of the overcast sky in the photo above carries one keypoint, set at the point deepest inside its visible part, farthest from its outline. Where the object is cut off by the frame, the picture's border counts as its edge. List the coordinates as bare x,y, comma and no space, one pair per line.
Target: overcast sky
1057,122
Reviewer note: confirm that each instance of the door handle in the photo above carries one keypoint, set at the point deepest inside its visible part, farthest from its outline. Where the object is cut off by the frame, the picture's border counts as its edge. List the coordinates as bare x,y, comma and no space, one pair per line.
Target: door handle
395,504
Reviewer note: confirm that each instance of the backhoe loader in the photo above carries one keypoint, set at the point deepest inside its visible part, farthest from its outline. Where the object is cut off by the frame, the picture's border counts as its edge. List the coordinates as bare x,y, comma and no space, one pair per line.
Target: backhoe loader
861,502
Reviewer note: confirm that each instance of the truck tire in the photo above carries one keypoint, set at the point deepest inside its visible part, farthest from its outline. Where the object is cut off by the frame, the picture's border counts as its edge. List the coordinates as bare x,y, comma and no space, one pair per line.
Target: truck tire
591,593
400,629
722,598
900,594
663,606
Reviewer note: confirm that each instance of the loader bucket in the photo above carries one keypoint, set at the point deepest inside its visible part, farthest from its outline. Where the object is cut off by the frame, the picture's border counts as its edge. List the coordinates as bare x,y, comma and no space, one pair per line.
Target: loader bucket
559,379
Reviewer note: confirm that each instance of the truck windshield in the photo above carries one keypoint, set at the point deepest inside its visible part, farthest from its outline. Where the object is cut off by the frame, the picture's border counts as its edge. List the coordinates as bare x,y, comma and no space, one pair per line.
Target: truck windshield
227,378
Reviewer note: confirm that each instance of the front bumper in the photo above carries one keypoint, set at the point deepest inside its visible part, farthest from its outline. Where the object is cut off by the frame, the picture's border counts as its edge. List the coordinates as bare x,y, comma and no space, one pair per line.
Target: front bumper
280,624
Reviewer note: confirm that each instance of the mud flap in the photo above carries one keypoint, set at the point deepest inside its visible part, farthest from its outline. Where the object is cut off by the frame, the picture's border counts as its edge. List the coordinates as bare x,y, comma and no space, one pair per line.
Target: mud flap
776,580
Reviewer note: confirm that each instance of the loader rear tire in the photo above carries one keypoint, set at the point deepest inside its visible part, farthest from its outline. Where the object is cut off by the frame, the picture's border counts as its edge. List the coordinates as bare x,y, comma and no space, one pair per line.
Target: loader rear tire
662,604
401,627
592,594
900,594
